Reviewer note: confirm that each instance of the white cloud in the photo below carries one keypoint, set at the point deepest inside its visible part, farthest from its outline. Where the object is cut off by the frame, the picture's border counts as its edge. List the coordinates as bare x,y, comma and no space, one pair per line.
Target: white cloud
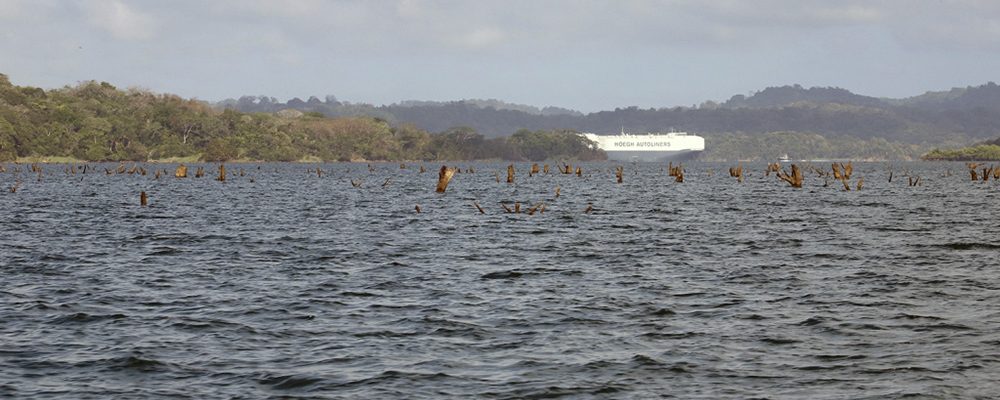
482,38
27,10
950,25
120,20
288,8
11,9
362,45
409,8
779,13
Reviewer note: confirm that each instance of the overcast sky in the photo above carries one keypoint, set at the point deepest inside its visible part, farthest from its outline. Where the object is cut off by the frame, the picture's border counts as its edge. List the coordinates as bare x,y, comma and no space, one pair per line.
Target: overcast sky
586,55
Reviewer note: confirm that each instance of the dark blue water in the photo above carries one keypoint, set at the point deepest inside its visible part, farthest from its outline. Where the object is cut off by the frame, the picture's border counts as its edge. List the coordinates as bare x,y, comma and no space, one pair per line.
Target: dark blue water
280,283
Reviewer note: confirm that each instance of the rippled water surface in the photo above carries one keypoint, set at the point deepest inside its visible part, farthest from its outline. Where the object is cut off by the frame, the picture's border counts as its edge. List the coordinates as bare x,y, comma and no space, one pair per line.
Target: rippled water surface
282,283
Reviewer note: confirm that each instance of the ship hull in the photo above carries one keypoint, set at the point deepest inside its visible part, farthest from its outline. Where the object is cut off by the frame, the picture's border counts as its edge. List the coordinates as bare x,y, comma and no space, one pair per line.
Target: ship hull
651,156
649,147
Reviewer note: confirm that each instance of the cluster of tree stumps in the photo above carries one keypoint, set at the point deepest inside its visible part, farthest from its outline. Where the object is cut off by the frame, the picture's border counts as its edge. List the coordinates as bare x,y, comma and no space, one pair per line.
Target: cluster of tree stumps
987,172
795,175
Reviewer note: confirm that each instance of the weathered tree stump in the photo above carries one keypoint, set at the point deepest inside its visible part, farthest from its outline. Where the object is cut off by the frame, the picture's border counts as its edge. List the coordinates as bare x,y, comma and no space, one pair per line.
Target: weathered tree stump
444,177
794,179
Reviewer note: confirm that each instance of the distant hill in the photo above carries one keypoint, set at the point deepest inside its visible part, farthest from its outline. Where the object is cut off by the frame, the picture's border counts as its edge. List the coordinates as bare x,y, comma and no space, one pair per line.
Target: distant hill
986,97
489,104
96,121
786,96
961,115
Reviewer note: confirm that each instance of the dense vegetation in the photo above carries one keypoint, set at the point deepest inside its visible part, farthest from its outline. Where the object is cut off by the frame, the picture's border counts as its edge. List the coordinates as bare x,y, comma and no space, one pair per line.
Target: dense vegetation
96,121
808,146
981,152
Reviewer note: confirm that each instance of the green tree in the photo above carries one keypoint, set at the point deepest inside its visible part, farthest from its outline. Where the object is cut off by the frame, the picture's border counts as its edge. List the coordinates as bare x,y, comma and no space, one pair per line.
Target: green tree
219,149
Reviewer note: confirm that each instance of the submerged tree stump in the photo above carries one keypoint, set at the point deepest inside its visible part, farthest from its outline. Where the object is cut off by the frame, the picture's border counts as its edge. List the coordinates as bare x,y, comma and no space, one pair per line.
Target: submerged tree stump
794,179
676,171
510,173
181,171
540,208
444,177
222,173
737,172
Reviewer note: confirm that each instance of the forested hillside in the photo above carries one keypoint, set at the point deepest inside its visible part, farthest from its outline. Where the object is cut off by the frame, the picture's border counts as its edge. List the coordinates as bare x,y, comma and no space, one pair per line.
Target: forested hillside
850,125
969,114
96,121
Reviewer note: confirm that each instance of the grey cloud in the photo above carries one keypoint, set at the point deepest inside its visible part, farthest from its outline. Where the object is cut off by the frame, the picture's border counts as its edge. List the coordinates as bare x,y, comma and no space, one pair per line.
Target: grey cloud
120,19
451,26
590,50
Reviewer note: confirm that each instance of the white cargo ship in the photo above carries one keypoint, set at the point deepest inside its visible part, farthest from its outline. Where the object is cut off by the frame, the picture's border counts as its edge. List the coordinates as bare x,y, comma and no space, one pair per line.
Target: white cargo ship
654,147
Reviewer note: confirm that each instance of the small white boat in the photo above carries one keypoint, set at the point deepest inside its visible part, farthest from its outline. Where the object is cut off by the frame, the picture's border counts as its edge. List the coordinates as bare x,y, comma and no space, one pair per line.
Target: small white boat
784,158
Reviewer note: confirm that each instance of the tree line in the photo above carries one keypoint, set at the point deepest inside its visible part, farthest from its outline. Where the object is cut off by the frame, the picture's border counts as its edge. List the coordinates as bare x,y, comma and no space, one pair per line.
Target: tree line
95,121
839,123
962,115
984,151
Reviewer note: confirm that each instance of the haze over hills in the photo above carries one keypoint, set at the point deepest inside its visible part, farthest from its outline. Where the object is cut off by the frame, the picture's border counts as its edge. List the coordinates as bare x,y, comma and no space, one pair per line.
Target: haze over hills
960,115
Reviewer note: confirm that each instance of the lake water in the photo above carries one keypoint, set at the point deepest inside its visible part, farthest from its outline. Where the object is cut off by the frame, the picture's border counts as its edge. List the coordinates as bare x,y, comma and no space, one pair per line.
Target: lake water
281,283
